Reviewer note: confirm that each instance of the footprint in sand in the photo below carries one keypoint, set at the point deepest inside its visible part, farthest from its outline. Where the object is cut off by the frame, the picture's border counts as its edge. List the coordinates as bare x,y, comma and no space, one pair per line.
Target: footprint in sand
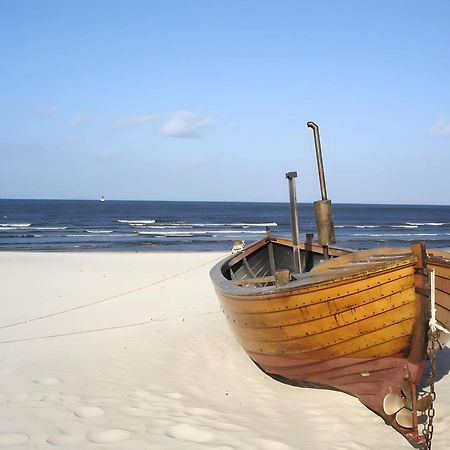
141,394
7,439
88,411
174,395
46,380
63,439
197,411
108,436
268,444
189,433
224,426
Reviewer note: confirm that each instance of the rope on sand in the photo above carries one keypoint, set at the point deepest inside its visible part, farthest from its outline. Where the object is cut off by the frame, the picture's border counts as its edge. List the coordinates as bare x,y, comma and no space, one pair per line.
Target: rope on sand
113,297
95,330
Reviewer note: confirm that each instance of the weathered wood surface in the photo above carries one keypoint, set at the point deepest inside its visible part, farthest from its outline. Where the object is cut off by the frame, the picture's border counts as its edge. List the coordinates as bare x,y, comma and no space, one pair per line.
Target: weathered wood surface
362,304
440,262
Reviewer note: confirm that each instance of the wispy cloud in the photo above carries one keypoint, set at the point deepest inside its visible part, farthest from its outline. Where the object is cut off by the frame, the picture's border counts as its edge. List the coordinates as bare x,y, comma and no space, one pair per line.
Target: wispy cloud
78,120
440,128
186,124
49,110
131,121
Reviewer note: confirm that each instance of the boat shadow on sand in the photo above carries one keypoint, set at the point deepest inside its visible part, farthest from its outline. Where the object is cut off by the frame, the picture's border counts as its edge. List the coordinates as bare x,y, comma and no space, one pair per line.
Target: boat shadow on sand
442,368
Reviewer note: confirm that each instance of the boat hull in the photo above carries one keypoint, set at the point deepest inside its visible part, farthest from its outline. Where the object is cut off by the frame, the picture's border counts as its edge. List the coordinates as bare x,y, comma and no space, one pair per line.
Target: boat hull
368,379
360,331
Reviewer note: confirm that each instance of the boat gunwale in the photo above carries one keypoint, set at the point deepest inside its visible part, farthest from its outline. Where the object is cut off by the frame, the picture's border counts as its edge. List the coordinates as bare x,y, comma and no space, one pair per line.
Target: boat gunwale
228,288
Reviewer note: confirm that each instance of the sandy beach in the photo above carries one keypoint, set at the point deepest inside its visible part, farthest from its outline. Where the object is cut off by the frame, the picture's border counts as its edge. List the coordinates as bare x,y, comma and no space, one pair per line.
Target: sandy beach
130,351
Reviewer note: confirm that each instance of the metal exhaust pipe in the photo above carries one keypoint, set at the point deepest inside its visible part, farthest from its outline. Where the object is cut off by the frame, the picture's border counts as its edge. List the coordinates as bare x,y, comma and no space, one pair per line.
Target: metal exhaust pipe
323,209
323,186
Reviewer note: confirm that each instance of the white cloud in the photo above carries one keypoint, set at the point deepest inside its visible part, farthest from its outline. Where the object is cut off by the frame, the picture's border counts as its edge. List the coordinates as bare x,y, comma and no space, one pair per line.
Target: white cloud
47,110
78,119
186,124
440,128
144,119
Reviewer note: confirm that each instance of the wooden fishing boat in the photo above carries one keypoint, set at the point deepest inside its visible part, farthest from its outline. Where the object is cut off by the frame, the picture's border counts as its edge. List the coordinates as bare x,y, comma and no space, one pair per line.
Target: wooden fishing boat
311,314
357,323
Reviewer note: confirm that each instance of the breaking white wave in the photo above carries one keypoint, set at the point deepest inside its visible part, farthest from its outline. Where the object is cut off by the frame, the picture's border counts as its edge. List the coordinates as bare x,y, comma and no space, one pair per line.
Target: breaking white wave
238,232
268,224
90,235
359,226
99,231
162,227
20,225
432,224
174,233
48,228
136,221
403,226
409,225
396,234
198,233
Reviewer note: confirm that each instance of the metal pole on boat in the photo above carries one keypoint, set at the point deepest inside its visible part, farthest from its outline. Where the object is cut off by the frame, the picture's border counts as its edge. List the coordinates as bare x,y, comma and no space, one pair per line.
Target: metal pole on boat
324,213
323,186
291,176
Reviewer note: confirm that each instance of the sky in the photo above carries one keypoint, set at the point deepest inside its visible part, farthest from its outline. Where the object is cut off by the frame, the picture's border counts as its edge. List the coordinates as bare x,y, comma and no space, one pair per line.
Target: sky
208,100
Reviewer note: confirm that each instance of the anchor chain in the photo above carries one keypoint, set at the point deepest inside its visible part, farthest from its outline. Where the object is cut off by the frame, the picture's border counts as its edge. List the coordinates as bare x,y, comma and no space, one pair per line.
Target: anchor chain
429,427
433,346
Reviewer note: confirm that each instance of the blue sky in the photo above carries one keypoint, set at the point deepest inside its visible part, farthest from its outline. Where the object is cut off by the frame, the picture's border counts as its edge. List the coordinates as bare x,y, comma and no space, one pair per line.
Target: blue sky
208,100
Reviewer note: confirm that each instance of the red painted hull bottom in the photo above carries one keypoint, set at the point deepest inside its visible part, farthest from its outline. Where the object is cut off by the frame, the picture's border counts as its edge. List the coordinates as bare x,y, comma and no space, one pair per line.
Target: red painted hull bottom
368,379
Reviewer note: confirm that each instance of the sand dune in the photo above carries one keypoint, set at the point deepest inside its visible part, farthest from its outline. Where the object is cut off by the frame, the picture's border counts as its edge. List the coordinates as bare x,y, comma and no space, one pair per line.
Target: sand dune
130,351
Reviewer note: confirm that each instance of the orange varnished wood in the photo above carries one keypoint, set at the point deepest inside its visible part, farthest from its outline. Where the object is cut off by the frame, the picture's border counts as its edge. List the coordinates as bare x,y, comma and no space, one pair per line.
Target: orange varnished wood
385,310
347,336
322,309
309,295
366,345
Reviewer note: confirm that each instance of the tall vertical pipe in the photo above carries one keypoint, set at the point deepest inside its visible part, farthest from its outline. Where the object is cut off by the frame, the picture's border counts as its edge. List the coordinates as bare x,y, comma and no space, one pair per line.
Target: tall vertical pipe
323,209
291,176
323,186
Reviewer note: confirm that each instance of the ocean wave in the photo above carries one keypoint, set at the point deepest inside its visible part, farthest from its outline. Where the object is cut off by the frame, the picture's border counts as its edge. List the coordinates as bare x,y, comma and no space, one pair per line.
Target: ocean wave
238,231
99,231
403,226
360,226
90,235
15,225
397,234
264,224
409,225
48,228
199,233
138,221
432,224
174,233
163,227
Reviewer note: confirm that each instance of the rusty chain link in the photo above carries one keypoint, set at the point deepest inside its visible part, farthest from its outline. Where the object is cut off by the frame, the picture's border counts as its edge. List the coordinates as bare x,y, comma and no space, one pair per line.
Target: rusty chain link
429,427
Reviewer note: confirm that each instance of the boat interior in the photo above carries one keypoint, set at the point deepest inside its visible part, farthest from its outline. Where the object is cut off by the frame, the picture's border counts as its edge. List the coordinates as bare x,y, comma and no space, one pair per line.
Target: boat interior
270,262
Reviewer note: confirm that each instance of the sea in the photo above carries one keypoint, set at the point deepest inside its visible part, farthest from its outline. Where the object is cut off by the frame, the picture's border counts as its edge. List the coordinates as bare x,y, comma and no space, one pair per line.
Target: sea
88,225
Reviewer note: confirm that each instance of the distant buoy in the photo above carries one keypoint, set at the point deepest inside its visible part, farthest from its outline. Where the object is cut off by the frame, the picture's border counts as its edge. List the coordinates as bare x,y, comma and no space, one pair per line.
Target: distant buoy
102,199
